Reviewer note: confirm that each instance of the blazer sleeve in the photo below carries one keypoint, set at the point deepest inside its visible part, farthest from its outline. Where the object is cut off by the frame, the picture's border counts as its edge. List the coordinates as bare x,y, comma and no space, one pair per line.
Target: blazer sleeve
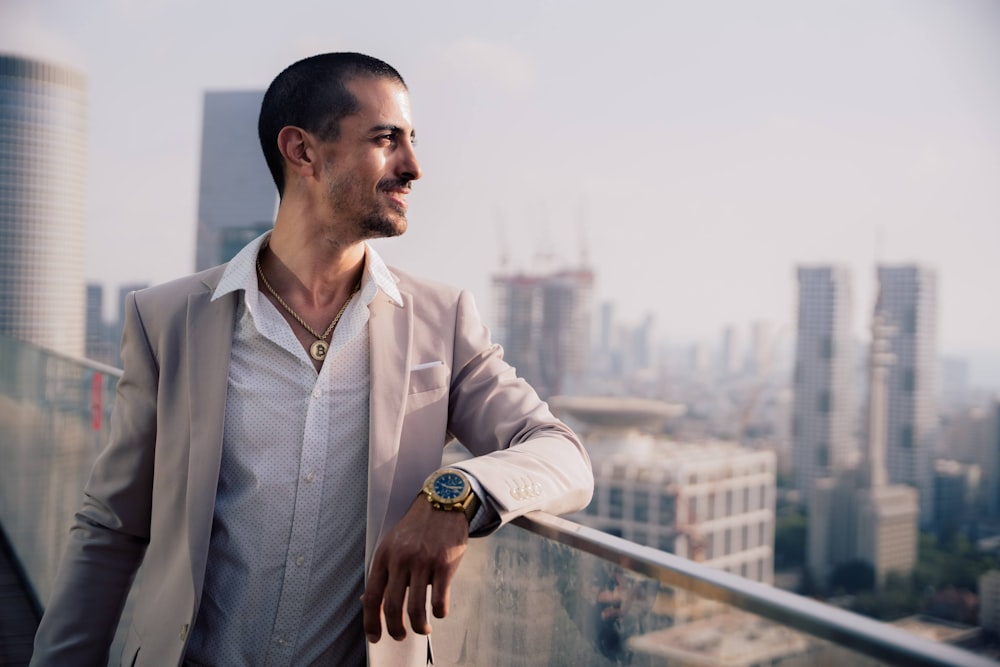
111,530
525,459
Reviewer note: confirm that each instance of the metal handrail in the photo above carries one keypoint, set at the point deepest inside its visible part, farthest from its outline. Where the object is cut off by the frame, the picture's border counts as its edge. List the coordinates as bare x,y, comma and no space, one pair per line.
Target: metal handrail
852,631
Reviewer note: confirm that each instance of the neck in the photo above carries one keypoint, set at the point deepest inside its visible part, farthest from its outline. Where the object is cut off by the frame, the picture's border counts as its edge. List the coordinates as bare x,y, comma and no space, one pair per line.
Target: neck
316,269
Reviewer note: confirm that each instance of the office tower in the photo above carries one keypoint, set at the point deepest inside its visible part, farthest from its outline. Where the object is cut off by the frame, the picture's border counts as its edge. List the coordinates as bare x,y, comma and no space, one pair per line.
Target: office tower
760,358
710,501
236,196
972,436
43,157
957,496
823,410
909,304
887,513
543,323
101,345
989,602
857,514
991,476
730,361
96,330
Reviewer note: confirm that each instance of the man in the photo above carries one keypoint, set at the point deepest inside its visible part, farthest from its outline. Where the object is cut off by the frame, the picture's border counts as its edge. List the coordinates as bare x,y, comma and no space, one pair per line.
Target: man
266,406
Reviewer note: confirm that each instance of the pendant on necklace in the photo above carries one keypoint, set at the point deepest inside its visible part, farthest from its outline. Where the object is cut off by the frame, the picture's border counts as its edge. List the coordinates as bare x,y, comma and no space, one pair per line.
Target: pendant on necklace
318,350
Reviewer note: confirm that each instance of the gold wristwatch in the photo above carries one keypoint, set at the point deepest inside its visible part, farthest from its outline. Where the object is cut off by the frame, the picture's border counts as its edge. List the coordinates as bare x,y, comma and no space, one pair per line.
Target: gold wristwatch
449,489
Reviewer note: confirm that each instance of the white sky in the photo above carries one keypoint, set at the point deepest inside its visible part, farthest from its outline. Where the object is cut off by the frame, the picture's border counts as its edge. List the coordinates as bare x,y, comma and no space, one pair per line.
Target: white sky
701,150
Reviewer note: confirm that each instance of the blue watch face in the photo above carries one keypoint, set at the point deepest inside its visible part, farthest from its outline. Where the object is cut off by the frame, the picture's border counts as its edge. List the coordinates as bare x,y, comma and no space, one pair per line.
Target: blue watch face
449,486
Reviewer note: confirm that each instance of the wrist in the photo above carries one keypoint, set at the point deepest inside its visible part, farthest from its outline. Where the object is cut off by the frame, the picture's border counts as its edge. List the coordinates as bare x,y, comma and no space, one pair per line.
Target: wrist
449,490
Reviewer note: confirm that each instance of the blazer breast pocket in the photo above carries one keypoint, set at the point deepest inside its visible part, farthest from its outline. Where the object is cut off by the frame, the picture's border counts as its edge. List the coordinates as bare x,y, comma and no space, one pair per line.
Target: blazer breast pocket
428,386
428,377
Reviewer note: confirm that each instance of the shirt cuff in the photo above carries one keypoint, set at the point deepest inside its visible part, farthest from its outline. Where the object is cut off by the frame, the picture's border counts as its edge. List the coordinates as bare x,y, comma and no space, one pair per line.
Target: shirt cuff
487,515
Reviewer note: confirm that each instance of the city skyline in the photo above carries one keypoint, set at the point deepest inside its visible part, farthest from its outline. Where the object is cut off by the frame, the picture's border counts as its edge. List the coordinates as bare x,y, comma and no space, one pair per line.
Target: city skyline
697,170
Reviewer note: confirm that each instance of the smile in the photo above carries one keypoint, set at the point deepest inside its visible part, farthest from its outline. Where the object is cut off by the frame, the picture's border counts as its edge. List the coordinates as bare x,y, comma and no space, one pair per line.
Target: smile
398,196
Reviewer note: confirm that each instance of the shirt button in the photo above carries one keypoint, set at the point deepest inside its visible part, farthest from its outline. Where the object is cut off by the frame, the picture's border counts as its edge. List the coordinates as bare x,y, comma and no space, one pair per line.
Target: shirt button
317,393
281,641
311,477
300,561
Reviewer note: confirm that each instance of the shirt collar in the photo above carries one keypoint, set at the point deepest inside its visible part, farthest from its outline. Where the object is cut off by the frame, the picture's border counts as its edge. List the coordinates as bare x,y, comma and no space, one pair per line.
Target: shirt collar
241,274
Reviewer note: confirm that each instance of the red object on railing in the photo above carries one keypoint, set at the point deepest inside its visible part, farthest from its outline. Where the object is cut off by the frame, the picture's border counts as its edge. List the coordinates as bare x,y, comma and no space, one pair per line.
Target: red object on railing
96,400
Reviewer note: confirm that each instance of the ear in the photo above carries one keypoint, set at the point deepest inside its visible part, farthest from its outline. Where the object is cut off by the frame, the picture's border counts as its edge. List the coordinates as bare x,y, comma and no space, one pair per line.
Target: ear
295,145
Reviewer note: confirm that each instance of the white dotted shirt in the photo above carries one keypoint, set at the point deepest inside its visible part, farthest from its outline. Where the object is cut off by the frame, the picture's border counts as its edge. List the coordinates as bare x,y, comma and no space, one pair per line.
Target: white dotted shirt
286,557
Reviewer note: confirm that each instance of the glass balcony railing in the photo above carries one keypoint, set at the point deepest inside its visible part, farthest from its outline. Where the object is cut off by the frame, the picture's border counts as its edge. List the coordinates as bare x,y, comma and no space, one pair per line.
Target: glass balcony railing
542,591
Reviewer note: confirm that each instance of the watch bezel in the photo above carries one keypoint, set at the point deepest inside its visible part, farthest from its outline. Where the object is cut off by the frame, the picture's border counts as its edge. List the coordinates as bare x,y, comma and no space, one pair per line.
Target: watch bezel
447,503
467,503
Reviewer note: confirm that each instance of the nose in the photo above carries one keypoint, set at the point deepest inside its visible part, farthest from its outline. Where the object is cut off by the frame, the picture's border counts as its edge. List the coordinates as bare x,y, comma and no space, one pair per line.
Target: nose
409,166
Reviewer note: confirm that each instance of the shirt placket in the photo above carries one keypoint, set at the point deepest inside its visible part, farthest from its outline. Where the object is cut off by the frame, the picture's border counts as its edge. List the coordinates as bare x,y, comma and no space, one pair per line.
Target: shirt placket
305,518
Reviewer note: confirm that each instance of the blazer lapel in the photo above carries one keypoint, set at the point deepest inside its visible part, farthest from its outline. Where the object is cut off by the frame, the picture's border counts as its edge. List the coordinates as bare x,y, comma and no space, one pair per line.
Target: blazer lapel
209,343
390,332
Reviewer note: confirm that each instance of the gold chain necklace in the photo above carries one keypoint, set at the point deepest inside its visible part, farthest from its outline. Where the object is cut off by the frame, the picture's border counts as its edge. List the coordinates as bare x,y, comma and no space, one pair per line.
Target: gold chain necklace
320,347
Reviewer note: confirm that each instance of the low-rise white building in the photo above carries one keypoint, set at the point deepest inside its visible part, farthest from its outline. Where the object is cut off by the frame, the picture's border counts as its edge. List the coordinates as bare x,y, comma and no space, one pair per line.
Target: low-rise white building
712,502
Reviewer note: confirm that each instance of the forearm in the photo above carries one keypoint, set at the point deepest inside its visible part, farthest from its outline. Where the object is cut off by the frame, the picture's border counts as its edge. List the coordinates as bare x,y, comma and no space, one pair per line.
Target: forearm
525,458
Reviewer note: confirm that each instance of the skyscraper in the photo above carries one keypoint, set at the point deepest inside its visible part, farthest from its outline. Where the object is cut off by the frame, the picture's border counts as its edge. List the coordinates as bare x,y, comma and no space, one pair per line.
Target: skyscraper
887,513
236,196
543,322
823,411
909,304
43,156
856,514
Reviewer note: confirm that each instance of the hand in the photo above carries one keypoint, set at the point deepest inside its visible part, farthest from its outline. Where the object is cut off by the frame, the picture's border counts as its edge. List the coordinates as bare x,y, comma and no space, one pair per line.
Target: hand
424,549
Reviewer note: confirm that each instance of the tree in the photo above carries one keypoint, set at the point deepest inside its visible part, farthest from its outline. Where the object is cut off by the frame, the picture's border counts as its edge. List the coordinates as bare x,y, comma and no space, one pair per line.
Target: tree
852,577
790,537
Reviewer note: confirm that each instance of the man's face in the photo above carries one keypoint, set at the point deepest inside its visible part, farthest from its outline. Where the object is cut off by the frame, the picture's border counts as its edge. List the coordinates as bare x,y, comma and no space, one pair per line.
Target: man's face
367,170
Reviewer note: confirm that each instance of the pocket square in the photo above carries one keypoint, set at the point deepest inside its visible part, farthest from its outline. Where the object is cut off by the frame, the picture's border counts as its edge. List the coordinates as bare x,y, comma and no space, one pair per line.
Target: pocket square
429,364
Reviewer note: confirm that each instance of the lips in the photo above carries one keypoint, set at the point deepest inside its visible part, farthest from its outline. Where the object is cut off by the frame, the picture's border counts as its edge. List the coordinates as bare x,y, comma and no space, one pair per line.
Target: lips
397,191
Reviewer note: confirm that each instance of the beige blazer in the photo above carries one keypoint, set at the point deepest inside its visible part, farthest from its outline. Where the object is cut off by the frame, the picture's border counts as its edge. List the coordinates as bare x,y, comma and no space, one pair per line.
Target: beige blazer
151,494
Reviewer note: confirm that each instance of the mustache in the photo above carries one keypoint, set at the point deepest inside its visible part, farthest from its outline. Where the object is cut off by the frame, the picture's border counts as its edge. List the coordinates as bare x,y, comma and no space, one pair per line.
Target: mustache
387,184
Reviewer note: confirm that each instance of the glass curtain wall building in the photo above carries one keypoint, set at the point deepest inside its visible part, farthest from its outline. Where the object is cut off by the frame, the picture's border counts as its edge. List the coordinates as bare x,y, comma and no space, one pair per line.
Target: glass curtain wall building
236,196
43,154
824,410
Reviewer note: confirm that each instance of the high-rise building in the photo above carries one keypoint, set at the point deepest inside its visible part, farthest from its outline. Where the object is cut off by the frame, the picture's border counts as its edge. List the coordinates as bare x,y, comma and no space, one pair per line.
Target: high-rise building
102,345
236,196
972,437
989,602
823,411
543,323
957,496
857,514
730,360
909,303
43,158
760,357
887,513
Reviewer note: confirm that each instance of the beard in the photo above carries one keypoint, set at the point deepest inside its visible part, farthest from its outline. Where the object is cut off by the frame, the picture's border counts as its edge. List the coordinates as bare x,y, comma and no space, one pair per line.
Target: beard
382,224
379,219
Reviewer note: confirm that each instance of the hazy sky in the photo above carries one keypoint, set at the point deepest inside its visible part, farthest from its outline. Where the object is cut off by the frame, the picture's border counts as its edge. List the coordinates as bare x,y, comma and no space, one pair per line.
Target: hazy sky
699,151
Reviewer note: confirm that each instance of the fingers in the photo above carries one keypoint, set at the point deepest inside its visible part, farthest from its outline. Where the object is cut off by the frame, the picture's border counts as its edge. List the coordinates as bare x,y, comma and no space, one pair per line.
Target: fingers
390,592
423,550
371,601
416,606
441,591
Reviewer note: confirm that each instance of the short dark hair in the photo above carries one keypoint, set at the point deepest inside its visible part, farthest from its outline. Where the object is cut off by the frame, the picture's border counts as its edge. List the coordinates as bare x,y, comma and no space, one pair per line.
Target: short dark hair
312,94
